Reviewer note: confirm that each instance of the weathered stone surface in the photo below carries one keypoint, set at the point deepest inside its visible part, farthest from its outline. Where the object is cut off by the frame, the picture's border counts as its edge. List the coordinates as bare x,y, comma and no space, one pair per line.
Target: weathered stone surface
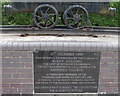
17,64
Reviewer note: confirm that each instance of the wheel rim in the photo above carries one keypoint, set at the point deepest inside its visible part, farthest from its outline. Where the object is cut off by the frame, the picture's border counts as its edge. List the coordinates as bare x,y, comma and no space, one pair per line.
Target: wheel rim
45,16
75,17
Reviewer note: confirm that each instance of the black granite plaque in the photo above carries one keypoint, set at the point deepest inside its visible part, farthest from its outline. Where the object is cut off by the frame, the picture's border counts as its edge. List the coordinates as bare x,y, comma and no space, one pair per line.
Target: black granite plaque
66,72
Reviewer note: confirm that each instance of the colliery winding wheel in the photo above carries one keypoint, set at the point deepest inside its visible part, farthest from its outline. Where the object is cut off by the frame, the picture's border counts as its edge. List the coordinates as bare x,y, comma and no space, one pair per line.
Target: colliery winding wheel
45,16
75,17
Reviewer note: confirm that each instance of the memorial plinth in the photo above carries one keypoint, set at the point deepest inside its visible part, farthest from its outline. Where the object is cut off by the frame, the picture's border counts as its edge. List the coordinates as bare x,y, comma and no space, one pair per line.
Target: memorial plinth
55,67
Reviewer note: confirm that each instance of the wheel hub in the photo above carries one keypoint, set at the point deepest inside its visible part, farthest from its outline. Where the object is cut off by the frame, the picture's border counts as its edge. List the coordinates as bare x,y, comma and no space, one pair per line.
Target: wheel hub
46,17
77,17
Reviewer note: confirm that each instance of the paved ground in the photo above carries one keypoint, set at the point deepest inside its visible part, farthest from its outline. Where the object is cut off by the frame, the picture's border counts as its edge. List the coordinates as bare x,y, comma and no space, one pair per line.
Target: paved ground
107,38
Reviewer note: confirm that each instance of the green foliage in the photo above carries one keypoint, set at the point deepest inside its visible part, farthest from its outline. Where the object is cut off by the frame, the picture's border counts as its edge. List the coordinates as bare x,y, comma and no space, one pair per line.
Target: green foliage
112,21
4,3
100,20
117,6
95,19
17,19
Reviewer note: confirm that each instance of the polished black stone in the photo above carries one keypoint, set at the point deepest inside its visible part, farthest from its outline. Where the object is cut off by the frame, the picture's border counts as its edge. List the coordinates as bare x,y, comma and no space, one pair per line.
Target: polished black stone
66,72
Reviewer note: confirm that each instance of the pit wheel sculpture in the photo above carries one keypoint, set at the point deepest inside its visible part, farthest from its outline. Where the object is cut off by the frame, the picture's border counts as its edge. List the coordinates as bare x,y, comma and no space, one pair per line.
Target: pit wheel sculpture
45,16
75,17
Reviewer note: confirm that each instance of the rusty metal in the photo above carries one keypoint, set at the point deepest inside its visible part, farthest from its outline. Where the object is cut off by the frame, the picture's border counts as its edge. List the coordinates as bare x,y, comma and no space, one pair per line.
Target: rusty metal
60,30
77,19
45,16
57,26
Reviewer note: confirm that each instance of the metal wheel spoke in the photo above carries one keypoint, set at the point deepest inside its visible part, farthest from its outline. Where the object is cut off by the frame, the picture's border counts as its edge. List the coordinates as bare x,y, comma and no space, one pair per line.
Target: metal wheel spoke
82,20
47,10
52,14
80,23
76,23
77,10
72,12
73,23
52,21
75,17
45,16
45,24
69,18
41,12
39,23
82,14
38,16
